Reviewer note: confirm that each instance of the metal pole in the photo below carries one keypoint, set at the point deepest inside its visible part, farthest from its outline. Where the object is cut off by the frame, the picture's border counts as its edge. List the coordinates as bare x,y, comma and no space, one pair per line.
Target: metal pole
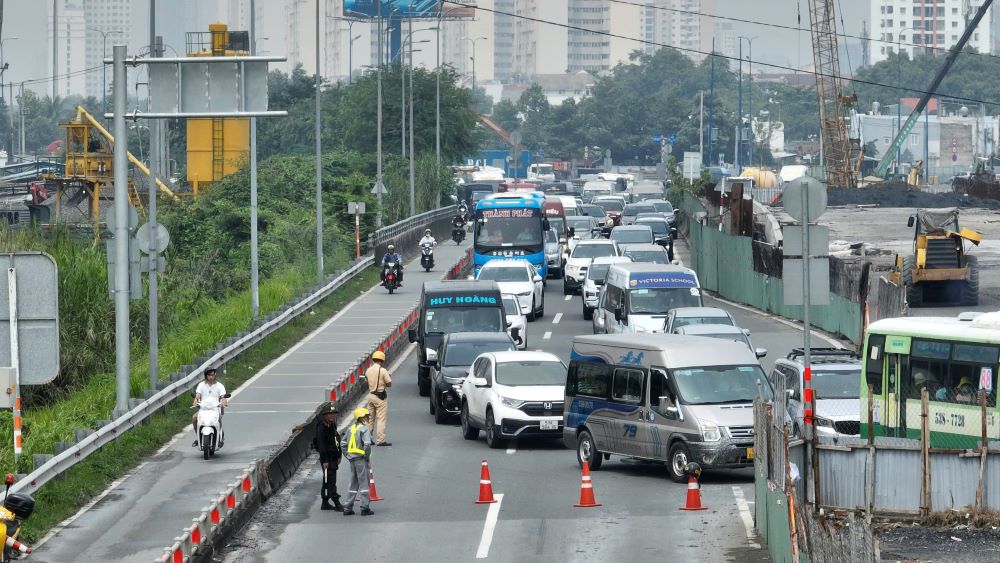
711,108
154,142
254,241
350,56
437,113
701,125
807,392
927,132
739,118
55,47
121,234
899,97
319,165
753,138
402,95
104,77
378,150
15,356
413,174
20,111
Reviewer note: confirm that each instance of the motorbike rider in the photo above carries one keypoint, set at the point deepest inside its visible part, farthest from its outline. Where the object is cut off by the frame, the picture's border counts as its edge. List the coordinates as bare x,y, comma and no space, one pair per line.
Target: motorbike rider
392,256
458,221
210,388
428,239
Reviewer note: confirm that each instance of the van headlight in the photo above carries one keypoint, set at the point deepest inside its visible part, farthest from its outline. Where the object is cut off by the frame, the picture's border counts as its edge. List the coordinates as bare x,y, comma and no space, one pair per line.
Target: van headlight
511,403
710,433
432,354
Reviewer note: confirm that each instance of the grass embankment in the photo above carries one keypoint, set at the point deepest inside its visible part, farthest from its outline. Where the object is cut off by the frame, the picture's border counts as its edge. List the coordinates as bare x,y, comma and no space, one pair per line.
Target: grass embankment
60,498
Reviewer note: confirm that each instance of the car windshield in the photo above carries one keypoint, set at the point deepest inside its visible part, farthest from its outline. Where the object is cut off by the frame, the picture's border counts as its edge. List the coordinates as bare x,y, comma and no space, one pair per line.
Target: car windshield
632,236
510,306
598,272
684,321
632,210
593,250
557,225
650,256
721,384
733,337
836,384
593,211
543,168
444,320
662,206
510,274
526,372
610,205
660,300
550,237
464,353
658,227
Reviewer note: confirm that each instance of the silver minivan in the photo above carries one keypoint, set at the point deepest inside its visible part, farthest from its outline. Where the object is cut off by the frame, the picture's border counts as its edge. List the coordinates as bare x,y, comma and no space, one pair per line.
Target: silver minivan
662,397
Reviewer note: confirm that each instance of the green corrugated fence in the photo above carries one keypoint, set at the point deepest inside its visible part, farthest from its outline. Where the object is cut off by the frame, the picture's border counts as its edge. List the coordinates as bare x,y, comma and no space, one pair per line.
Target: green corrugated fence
725,266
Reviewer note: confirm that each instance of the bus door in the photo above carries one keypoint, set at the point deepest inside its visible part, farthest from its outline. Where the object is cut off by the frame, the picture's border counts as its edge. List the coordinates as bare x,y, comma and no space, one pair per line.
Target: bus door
896,350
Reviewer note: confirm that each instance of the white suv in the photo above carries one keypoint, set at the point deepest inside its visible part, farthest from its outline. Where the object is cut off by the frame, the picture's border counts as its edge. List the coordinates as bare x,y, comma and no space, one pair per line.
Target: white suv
513,395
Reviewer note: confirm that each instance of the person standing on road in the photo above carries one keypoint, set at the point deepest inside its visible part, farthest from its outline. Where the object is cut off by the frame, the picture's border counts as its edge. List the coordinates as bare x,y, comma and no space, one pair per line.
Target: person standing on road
359,451
328,445
211,388
379,381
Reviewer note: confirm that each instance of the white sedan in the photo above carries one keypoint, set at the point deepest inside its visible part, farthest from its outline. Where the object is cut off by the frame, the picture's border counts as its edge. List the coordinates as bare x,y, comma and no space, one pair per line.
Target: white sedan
517,277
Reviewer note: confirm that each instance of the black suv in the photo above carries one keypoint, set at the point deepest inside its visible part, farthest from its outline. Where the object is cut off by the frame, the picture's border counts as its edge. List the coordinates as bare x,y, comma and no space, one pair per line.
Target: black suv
455,355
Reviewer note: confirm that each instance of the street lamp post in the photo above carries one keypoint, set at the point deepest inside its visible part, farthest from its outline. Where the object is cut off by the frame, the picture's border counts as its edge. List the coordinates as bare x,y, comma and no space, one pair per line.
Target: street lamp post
10,108
350,44
104,69
473,62
749,41
319,163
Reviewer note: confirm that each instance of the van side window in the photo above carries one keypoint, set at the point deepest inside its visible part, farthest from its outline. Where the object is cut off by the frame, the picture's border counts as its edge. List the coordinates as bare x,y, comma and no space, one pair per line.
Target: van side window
612,298
588,378
660,397
627,385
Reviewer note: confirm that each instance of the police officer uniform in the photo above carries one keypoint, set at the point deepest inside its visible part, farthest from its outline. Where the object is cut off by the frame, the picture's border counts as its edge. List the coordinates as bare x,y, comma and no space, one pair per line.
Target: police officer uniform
328,444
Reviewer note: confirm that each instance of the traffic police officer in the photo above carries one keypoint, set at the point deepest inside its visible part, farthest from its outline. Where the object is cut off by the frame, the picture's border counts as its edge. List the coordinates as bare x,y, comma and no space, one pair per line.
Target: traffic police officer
328,444
359,449
379,381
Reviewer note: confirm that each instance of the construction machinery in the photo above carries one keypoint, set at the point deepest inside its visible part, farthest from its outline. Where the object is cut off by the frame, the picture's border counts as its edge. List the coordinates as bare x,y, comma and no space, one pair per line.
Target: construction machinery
940,268
841,154
90,167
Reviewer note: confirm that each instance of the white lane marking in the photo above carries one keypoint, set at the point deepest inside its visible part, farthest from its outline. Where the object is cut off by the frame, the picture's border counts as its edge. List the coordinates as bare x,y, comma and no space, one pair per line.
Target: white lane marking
745,516
557,318
229,411
511,449
547,335
489,527
568,297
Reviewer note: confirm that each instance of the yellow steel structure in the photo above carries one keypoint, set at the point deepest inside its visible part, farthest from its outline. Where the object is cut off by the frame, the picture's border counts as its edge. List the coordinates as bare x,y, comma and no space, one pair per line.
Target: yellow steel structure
90,164
216,146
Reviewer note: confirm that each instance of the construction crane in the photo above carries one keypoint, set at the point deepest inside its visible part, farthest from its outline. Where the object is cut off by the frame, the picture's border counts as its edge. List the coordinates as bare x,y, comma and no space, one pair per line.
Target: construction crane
911,120
840,154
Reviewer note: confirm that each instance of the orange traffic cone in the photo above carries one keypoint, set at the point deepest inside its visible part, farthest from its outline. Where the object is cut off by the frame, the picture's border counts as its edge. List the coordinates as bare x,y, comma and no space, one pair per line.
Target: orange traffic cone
485,486
693,496
372,493
586,489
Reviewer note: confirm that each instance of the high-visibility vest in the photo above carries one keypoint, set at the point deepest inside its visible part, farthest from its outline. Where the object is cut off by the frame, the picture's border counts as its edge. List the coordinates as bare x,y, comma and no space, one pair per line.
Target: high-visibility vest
352,445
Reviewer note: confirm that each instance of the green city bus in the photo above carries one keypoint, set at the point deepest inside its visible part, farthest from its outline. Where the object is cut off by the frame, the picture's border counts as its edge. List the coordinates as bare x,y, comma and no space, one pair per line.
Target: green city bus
953,357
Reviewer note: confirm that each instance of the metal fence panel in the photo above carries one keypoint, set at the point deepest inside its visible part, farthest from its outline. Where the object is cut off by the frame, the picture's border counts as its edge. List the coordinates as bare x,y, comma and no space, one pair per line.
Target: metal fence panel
991,482
842,477
897,481
954,480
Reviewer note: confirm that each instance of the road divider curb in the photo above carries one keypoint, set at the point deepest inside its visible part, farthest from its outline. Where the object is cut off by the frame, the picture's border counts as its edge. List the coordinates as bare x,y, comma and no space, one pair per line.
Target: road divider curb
232,509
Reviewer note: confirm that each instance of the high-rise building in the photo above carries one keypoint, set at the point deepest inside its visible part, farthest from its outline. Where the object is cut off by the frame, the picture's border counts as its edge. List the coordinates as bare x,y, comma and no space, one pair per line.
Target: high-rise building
70,45
503,38
692,27
114,19
655,25
909,27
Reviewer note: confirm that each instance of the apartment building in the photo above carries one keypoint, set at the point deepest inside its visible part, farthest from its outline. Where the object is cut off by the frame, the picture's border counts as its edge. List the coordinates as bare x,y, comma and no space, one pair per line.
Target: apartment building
910,26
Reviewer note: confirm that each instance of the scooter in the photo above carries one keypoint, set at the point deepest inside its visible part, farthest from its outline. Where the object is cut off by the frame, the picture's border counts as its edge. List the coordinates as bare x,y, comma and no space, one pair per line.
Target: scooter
457,233
16,509
391,270
427,256
210,434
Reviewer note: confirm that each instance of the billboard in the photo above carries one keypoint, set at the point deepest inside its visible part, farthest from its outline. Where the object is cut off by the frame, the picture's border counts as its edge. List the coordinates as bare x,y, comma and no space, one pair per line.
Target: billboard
407,8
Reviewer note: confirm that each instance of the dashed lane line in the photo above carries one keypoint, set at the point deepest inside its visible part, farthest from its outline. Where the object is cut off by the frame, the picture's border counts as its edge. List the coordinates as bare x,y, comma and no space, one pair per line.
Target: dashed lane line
489,527
557,318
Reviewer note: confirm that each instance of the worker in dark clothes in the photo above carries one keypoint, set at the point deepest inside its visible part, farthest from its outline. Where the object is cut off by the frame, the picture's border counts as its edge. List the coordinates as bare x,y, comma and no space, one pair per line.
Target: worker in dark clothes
328,443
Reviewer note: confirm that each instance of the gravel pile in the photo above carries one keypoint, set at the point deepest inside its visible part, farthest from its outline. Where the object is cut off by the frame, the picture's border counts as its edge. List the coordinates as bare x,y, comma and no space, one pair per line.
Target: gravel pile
902,197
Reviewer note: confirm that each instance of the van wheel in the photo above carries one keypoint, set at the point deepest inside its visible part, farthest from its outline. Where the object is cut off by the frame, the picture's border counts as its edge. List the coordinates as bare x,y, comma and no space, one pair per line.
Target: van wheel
493,439
586,450
679,457
469,432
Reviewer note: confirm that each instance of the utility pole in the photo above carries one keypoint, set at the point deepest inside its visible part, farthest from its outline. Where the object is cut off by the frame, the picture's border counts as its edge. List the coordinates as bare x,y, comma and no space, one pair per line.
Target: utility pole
437,110
319,164
254,256
154,143
711,108
121,234
739,119
701,124
378,158
402,93
413,178
55,48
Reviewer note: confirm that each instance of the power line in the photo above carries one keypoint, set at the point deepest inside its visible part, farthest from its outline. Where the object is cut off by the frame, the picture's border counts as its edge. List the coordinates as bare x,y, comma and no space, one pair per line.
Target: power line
795,28
56,77
718,55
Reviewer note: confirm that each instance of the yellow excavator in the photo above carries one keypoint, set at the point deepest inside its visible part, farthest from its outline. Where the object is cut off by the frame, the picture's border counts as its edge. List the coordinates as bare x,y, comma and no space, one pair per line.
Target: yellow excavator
940,269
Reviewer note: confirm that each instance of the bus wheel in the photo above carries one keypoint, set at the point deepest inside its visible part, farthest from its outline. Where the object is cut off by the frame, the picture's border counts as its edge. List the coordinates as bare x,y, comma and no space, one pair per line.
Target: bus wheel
586,451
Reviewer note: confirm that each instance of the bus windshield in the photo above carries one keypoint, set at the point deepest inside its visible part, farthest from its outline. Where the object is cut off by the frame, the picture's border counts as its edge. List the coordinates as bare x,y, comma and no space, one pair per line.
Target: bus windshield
721,384
514,231
444,320
660,300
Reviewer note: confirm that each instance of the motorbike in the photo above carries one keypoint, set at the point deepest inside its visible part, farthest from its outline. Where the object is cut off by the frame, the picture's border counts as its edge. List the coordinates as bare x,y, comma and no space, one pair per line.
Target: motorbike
210,434
457,233
16,509
391,271
427,256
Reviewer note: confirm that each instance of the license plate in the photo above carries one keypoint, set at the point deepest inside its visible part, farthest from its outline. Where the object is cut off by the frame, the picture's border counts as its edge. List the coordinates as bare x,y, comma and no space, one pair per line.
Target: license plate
749,453
550,425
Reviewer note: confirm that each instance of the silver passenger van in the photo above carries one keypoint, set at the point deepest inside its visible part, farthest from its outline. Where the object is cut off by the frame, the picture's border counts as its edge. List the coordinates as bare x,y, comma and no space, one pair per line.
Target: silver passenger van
662,397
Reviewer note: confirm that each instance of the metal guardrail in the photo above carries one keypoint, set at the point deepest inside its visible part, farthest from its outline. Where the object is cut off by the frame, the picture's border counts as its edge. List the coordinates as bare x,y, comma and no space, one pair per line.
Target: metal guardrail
93,442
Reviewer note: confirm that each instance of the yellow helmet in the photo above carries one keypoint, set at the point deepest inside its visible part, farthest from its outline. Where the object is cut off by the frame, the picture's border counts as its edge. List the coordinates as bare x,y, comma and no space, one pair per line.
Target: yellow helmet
360,412
379,355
